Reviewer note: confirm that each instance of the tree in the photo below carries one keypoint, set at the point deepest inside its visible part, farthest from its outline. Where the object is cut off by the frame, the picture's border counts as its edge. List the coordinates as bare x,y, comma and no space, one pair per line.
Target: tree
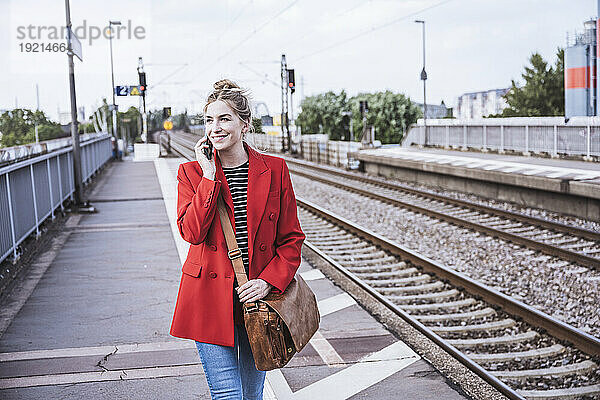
390,113
322,113
129,121
257,124
18,127
182,121
543,92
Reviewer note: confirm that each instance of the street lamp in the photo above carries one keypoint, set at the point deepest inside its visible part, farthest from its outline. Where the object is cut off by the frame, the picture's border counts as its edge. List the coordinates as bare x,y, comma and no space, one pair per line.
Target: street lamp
78,192
112,74
424,78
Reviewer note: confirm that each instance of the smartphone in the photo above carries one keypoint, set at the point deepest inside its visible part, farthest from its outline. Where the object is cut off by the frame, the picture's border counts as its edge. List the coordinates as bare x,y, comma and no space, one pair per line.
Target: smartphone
208,151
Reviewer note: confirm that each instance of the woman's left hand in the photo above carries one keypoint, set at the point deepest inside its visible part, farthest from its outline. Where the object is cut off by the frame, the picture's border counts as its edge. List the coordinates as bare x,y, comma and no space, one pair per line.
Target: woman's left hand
253,290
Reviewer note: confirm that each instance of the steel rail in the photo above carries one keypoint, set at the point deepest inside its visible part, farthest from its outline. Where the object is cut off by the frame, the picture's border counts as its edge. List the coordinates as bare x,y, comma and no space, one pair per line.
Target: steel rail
556,226
566,254
438,340
585,342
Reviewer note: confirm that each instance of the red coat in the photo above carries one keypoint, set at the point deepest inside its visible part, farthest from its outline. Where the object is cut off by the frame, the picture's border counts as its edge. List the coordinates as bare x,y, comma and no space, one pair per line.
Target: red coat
204,309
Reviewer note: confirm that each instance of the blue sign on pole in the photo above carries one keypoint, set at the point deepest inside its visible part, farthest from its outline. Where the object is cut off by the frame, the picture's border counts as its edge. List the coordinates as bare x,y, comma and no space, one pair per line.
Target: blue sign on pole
122,90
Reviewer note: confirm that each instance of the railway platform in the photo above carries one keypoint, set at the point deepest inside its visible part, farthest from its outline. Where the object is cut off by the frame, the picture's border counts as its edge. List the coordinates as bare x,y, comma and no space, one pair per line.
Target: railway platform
90,317
565,186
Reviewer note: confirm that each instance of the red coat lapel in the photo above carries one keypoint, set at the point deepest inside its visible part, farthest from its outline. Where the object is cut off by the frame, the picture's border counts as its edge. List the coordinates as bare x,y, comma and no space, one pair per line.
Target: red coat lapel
259,182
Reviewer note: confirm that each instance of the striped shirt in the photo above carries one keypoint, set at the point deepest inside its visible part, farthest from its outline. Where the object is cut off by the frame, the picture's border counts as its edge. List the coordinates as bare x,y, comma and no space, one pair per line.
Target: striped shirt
237,180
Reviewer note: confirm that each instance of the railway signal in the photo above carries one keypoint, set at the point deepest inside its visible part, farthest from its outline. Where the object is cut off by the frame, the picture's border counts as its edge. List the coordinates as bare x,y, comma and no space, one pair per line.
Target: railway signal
364,107
291,80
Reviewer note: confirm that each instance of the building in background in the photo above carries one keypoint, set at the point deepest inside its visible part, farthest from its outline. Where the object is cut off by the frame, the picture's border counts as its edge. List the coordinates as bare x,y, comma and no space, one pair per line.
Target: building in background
480,104
581,71
434,111
266,120
64,117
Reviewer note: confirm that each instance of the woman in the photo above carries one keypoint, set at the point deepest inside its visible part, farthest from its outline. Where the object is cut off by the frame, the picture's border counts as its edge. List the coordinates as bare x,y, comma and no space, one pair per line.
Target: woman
260,202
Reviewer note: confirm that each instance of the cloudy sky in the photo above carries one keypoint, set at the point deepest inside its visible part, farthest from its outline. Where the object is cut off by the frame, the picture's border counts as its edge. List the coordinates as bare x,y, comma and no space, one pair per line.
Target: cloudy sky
354,45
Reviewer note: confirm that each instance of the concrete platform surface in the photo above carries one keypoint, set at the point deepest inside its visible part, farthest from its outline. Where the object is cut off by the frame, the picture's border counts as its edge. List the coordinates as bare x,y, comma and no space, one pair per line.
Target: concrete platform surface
529,166
492,156
563,186
91,320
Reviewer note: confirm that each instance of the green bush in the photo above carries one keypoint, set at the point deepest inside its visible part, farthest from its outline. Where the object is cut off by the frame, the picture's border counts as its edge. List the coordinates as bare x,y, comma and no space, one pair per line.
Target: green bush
390,113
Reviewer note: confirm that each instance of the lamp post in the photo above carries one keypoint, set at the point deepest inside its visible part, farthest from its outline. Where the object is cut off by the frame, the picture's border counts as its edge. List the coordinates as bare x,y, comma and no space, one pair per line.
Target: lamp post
424,78
112,74
77,193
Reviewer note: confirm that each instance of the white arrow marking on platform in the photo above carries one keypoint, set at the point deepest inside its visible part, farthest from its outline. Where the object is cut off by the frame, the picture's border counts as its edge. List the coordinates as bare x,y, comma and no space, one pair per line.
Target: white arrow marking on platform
352,380
335,303
312,275
325,349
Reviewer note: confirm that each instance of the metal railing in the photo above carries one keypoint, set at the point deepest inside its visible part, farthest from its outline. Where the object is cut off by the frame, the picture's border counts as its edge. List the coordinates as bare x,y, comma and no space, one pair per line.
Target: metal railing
31,190
318,148
550,135
315,148
15,153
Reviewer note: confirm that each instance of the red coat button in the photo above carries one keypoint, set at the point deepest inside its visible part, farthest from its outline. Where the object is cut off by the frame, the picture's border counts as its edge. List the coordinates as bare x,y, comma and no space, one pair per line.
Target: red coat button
271,216
263,246
213,247
212,274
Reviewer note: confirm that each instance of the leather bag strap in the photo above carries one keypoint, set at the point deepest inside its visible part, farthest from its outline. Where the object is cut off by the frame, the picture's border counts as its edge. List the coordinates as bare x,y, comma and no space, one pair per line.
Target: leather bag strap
234,253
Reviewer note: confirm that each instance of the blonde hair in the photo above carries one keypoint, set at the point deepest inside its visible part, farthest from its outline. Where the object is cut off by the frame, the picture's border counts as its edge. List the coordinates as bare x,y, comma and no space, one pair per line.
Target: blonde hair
236,97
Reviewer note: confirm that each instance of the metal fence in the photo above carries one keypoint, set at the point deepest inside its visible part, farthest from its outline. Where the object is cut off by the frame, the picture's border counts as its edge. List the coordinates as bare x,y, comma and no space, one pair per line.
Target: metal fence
318,148
31,190
14,153
266,142
536,135
315,148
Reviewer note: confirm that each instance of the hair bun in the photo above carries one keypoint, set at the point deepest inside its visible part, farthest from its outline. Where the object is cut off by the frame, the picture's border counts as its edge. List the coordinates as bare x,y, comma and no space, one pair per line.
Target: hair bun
224,84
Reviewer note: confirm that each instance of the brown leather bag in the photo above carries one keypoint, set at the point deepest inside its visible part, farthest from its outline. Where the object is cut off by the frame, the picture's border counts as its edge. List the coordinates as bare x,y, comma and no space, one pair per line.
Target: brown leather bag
280,324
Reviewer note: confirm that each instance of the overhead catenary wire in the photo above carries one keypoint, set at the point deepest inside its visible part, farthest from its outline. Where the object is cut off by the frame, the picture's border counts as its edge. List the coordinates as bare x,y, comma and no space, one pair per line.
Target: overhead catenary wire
168,76
328,18
372,29
246,38
182,67
258,73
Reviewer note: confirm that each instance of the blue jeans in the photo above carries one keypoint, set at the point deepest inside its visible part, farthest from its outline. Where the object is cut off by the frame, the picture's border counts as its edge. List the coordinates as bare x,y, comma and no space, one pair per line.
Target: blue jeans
230,371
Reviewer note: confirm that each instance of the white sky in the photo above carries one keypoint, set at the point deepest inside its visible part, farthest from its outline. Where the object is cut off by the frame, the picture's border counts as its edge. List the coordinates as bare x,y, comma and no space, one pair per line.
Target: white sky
471,45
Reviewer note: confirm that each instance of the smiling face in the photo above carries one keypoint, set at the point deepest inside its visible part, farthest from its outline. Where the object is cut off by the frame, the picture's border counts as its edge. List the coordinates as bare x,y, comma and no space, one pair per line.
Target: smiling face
223,126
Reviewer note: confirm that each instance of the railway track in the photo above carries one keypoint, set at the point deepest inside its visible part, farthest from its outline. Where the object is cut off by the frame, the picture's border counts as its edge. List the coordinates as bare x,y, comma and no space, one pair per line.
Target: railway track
519,350
535,355
567,242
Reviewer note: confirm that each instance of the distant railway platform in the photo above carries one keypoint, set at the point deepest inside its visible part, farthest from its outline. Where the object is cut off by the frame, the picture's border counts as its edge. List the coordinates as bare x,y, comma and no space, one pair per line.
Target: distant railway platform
566,186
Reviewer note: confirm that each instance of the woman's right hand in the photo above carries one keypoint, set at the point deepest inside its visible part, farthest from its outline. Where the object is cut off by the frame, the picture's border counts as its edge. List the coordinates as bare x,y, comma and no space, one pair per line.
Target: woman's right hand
208,166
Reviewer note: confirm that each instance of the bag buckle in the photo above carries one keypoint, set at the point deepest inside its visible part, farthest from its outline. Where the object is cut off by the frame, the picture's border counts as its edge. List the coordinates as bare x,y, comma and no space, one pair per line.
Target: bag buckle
252,307
234,253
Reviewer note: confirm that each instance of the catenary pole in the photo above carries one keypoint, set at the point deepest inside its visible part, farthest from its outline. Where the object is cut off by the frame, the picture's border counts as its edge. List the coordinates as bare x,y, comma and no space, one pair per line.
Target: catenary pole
112,75
284,105
74,134
424,79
